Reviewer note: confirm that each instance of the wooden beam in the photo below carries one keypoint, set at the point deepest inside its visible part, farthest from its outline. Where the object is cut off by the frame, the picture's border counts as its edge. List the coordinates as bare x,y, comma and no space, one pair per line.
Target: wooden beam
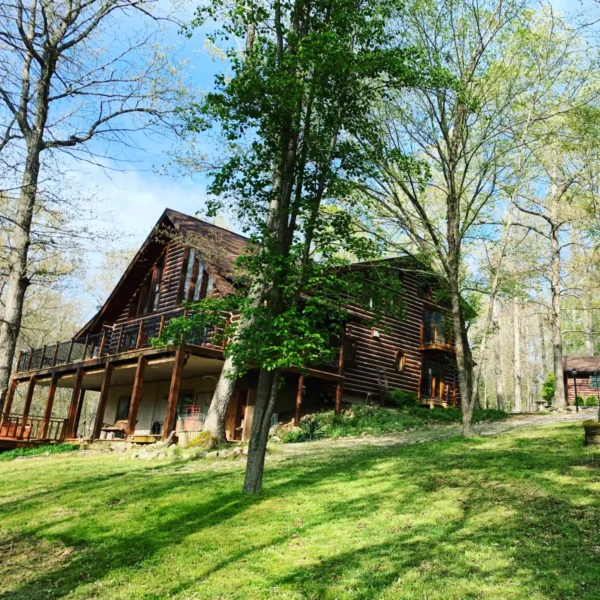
10,396
28,401
169,424
102,400
136,396
73,405
339,392
299,400
49,405
249,414
78,412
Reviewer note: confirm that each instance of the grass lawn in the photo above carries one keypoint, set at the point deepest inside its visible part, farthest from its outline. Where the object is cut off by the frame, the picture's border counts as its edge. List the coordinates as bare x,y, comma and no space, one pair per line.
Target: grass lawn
514,516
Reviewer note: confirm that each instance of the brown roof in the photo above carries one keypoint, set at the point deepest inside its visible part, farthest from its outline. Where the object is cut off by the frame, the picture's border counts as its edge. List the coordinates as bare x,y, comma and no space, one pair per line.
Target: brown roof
583,364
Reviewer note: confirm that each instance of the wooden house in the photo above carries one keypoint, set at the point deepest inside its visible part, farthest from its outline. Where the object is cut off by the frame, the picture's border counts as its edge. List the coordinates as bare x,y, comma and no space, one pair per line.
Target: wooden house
577,371
145,393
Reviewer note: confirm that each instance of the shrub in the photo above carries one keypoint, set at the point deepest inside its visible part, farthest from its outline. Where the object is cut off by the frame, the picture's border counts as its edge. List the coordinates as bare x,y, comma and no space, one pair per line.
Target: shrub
403,399
591,401
548,388
580,401
376,421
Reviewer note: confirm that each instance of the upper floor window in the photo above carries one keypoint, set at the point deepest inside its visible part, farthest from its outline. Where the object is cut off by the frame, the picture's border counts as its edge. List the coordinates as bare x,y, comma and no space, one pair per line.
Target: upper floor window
196,284
434,328
147,298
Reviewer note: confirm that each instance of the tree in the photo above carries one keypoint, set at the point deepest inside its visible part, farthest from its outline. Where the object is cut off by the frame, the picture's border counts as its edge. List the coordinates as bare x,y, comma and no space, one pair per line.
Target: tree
64,82
296,102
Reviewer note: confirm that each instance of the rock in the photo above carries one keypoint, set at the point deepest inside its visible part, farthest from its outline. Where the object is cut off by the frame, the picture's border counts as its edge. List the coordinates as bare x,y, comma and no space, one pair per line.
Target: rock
245,451
236,451
186,456
273,429
213,454
276,439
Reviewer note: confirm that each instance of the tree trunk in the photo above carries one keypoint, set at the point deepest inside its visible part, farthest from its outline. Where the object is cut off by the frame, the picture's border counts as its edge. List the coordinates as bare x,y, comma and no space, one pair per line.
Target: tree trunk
217,412
543,353
588,327
498,363
555,323
518,376
17,281
266,397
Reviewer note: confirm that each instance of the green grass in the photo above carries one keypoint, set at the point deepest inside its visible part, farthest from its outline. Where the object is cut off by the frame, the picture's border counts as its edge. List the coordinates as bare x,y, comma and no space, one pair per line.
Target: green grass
374,420
503,518
38,450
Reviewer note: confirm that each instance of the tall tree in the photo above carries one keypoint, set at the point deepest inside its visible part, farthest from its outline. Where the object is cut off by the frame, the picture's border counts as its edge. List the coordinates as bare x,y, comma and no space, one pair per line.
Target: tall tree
67,77
296,102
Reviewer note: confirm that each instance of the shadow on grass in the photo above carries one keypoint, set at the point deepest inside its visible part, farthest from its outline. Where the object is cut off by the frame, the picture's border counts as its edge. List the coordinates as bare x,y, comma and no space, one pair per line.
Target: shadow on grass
523,500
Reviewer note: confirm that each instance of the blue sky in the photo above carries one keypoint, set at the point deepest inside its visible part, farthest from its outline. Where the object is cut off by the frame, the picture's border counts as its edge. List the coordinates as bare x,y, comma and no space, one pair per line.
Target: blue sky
135,195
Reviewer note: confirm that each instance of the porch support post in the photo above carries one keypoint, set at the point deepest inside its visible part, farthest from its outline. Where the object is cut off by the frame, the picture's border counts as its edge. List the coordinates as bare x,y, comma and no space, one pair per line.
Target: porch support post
136,396
29,397
73,405
299,400
169,425
78,412
339,388
102,400
10,396
27,407
49,405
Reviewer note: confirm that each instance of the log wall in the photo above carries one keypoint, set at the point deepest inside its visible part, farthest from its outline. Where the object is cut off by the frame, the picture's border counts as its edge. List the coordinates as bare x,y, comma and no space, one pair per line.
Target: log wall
375,357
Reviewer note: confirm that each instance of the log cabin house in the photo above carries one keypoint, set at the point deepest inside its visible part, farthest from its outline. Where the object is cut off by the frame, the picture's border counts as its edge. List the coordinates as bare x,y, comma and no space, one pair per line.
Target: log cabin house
585,367
145,393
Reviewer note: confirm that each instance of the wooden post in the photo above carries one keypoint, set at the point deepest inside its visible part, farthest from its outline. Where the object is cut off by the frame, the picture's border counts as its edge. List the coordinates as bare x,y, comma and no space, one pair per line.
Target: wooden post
19,360
10,396
85,347
339,388
169,425
30,359
78,412
49,405
161,326
120,339
70,351
102,343
138,340
136,396
73,405
299,400
55,356
43,356
102,400
27,407
249,415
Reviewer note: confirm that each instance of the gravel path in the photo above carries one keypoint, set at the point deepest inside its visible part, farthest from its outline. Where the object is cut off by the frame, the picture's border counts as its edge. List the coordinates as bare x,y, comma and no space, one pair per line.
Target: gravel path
435,433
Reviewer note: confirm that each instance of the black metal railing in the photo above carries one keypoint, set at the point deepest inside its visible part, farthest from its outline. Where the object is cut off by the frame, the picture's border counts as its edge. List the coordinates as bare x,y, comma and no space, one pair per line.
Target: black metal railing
132,335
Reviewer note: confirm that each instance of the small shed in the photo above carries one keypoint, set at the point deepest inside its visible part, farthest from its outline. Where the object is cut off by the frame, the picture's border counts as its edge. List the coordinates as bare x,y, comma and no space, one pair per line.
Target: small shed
585,367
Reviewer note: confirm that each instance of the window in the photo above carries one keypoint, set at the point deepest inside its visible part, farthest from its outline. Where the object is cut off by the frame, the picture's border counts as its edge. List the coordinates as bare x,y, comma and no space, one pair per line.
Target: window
400,361
434,328
197,284
432,384
123,408
147,298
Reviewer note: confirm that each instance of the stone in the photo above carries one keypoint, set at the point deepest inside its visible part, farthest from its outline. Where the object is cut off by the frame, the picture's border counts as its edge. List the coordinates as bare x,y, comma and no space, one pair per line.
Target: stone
236,451
276,439
213,454
245,451
186,456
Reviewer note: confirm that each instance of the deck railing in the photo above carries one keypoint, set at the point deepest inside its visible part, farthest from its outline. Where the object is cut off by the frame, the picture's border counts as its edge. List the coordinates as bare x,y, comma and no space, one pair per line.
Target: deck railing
126,337
32,428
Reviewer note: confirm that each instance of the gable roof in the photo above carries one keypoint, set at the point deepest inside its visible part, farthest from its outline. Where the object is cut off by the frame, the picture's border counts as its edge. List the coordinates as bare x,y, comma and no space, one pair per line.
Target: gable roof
219,247
583,364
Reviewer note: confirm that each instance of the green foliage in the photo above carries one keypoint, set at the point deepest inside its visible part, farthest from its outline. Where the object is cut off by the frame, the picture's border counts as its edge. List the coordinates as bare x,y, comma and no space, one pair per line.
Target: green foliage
377,421
38,450
402,399
548,388
291,113
591,401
